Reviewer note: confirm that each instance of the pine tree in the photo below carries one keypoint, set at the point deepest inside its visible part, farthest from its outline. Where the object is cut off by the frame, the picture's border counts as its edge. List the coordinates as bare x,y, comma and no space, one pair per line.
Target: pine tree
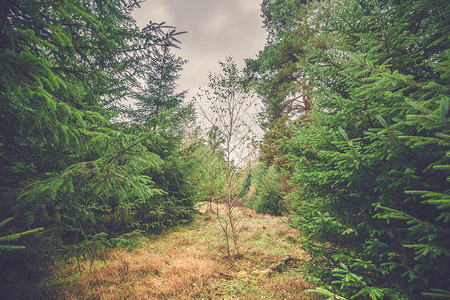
369,164
283,85
64,66
375,149
158,102
160,108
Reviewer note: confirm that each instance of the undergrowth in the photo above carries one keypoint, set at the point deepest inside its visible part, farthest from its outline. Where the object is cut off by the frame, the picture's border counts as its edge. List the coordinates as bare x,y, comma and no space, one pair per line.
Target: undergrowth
189,262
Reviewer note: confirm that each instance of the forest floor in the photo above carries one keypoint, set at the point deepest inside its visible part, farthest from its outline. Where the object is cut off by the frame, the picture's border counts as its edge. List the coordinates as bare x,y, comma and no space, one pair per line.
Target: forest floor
189,262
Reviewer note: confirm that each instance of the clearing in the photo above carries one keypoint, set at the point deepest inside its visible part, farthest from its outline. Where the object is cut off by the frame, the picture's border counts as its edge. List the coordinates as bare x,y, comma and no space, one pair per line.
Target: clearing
189,262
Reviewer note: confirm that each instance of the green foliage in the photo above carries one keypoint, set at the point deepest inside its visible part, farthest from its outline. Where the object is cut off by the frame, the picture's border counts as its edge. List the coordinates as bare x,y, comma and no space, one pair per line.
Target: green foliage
65,68
264,194
209,174
158,103
370,163
14,237
276,68
346,281
281,81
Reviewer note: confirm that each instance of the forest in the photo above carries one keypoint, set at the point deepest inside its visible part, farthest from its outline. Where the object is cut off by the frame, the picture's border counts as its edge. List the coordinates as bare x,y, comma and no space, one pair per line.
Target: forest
100,151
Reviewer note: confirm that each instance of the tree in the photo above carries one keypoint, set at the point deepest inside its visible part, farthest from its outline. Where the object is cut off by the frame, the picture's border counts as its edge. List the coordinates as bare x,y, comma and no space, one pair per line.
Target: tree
375,149
208,173
282,83
158,102
263,190
160,108
64,67
227,98
213,166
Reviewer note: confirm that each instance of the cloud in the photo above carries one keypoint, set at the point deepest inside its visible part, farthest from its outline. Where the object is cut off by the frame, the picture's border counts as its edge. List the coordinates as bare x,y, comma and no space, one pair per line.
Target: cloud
216,29
158,12
217,23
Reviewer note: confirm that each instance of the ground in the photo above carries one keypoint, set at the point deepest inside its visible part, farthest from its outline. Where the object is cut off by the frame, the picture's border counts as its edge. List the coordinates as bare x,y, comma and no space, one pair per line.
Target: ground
189,262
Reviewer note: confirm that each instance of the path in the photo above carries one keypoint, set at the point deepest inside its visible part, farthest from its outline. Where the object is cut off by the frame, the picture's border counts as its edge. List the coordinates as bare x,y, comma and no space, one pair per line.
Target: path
189,263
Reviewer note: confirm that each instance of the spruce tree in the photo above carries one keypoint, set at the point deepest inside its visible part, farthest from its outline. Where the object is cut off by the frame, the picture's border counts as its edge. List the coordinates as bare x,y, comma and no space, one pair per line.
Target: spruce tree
158,101
64,67
369,163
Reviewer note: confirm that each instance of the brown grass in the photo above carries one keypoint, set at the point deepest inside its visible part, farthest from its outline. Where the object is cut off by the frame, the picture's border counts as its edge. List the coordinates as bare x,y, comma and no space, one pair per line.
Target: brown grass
190,263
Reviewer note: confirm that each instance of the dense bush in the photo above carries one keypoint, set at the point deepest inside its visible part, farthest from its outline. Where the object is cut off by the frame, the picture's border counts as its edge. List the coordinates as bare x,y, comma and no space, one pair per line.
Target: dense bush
264,190
66,162
370,162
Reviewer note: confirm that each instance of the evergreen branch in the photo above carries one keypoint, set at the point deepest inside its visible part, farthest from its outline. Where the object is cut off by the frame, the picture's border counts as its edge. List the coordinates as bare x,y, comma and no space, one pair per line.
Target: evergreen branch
437,293
411,137
421,108
344,134
123,151
402,215
4,222
390,76
16,236
445,167
12,247
383,27
385,125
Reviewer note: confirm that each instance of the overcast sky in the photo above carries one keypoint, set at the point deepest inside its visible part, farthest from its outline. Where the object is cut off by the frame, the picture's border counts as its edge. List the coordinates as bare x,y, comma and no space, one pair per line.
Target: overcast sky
215,29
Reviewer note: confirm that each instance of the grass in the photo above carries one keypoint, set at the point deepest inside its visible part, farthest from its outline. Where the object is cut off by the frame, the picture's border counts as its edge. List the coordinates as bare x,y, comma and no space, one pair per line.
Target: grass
189,262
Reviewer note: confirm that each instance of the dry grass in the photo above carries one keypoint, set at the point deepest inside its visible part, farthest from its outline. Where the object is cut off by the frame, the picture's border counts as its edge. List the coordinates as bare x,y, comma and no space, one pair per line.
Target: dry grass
190,263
